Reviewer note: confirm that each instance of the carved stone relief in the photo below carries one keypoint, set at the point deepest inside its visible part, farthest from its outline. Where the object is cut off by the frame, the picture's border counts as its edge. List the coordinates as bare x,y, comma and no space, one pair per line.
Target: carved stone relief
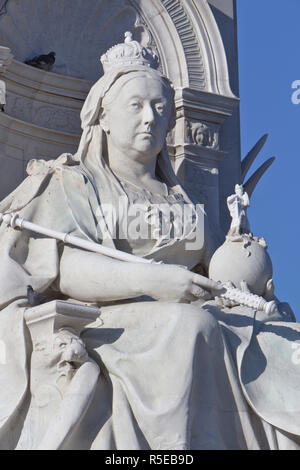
51,117
61,355
54,362
59,368
202,134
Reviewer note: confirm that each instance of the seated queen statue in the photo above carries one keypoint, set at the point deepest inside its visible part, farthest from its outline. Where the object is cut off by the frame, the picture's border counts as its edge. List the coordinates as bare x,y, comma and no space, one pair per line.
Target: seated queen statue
168,363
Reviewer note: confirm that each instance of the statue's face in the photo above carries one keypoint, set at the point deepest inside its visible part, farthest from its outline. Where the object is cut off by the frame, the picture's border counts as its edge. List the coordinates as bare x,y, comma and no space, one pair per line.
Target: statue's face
239,190
199,136
137,120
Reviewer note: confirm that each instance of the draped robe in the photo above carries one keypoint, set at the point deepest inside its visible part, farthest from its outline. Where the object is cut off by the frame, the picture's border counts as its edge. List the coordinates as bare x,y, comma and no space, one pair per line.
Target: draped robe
173,376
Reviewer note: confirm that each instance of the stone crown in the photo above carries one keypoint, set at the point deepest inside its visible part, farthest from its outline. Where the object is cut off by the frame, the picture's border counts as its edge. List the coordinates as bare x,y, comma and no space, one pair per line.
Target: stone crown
128,53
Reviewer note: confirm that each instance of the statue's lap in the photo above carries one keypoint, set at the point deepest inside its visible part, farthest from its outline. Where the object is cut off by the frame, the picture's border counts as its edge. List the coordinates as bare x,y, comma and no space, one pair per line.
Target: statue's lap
138,325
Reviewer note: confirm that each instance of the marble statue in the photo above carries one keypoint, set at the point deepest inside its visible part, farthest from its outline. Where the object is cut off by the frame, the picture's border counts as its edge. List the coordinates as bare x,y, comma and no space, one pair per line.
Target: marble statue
243,257
132,355
238,204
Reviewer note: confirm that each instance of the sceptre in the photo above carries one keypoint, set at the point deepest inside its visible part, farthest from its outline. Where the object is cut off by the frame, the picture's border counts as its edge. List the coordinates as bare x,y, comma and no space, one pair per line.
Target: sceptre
233,294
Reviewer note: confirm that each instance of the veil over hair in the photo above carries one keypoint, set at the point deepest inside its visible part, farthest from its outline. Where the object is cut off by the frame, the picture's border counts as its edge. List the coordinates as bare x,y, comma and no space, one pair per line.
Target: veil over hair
92,150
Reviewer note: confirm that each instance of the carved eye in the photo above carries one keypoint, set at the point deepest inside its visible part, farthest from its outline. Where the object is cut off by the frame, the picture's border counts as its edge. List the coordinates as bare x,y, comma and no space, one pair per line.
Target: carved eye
135,105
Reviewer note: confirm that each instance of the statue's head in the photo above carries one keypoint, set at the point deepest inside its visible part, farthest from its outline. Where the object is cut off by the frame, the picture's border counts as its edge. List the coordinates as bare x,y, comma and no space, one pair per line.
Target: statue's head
137,111
132,107
239,190
201,134
131,93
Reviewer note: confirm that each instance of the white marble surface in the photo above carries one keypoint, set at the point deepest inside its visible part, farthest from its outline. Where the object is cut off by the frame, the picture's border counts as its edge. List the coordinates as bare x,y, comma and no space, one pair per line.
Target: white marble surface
168,364
163,349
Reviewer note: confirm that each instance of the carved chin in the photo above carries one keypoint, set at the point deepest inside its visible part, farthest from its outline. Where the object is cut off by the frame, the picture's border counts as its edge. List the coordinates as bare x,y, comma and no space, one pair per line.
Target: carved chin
147,142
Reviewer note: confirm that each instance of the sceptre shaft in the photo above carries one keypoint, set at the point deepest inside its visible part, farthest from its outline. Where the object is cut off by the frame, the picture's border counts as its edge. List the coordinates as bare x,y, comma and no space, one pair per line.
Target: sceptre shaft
15,221
232,294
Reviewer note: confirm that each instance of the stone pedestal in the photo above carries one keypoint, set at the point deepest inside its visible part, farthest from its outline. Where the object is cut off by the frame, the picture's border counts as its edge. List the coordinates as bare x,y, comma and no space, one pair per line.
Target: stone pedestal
60,369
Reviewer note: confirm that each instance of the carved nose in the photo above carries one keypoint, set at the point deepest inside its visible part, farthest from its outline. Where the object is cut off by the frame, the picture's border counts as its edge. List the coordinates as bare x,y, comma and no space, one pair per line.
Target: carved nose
149,116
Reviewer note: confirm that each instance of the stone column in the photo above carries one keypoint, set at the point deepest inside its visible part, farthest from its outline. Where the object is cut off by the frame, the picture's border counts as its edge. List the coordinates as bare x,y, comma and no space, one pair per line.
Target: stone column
195,147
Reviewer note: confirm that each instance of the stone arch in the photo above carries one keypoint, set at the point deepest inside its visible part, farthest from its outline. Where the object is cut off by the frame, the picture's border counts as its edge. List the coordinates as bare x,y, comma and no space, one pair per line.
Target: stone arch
189,43
185,34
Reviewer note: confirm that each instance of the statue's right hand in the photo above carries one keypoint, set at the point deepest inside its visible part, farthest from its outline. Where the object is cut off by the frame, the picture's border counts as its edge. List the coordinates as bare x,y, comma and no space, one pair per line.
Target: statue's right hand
176,284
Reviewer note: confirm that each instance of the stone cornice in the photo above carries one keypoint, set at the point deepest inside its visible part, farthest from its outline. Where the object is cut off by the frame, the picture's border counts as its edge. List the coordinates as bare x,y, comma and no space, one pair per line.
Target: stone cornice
16,126
45,99
59,314
48,82
203,105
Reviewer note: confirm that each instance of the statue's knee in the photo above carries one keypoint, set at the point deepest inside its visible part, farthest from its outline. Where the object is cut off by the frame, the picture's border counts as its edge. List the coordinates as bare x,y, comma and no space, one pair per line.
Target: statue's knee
202,319
206,320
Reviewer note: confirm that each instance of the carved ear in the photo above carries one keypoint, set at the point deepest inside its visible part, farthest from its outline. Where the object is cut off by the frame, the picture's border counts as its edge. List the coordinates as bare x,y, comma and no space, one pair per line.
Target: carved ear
103,121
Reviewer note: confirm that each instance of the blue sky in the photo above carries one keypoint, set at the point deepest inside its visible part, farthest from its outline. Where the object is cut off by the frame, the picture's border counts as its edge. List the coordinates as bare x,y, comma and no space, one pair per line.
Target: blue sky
269,62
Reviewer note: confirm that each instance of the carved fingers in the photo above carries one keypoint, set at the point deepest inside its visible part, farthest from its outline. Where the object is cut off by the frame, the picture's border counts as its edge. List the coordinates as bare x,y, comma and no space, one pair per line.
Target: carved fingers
200,293
207,284
205,288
